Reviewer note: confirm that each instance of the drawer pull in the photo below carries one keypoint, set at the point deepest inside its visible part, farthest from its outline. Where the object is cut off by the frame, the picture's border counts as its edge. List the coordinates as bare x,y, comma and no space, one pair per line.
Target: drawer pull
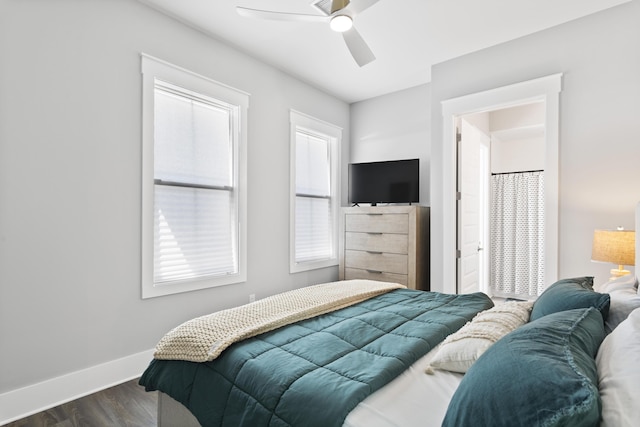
374,252
374,271
374,233
376,214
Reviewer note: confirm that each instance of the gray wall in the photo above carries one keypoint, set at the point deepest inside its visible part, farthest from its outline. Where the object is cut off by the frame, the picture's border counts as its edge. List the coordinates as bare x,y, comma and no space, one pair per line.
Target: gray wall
70,164
599,127
393,127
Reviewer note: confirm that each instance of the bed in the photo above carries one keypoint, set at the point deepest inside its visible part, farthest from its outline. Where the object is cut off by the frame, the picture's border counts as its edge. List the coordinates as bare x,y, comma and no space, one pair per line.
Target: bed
397,357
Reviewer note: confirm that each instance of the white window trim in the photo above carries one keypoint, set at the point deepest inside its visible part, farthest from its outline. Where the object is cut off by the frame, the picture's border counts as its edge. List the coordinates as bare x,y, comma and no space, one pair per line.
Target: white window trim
152,69
312,125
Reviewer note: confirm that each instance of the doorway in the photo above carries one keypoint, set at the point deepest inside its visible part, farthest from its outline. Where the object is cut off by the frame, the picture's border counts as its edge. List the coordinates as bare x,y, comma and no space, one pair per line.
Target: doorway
544,89
500,215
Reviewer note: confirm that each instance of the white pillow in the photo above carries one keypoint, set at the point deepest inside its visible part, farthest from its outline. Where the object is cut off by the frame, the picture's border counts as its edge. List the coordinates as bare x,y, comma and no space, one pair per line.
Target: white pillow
618,362
630,281
461,349
622,303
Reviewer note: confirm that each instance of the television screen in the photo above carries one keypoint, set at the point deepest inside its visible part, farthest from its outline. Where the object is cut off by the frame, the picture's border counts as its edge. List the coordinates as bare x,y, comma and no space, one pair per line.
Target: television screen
396,181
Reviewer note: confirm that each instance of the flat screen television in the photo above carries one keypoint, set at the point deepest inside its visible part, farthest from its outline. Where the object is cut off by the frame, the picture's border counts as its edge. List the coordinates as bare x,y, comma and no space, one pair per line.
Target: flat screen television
395,181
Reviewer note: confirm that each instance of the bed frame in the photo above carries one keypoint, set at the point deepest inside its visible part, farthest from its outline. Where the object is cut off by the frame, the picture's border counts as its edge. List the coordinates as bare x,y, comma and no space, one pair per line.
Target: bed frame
173,414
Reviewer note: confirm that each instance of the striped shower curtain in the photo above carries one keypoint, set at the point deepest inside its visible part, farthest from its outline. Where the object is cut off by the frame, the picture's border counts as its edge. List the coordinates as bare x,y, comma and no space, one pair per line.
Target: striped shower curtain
517,234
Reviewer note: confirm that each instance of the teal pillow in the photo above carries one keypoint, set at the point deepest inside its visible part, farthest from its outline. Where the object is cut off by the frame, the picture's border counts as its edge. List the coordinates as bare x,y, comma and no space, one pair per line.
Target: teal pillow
541,374
568,294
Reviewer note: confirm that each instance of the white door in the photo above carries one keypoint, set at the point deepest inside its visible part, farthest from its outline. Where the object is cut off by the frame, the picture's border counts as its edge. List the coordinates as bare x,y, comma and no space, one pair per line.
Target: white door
470,208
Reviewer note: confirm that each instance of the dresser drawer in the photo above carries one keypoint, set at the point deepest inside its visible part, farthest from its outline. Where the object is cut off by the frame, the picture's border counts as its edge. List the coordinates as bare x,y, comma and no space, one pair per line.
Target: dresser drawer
377,223
377,242
356,273
383,262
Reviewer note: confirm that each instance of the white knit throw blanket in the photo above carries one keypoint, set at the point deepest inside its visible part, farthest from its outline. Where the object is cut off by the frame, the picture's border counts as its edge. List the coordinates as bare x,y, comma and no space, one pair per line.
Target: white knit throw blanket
204,338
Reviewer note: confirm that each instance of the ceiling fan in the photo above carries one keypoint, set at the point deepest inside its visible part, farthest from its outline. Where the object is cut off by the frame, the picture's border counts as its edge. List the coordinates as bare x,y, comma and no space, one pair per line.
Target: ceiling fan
339,14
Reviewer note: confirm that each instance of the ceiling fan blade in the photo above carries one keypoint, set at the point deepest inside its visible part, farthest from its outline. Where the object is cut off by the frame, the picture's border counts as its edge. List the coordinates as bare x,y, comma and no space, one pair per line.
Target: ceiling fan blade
358,47
280,16
361,5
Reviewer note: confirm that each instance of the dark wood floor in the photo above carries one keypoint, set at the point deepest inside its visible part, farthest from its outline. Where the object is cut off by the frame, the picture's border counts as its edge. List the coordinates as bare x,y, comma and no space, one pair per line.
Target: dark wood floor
123,405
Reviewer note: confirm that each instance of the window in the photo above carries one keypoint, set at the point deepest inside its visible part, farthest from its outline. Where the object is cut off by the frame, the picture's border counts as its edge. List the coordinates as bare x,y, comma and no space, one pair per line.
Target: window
193,181
314,193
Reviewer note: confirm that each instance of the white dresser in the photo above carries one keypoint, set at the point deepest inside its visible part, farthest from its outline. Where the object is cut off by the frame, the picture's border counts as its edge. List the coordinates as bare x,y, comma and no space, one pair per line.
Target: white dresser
389,243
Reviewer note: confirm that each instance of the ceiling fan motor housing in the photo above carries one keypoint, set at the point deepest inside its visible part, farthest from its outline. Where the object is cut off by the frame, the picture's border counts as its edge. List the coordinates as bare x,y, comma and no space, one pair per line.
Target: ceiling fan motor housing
337,5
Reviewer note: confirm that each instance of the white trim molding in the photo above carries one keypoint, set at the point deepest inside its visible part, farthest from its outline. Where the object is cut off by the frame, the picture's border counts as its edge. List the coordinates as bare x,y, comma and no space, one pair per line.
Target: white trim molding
153,69
333,134
546,89
29,400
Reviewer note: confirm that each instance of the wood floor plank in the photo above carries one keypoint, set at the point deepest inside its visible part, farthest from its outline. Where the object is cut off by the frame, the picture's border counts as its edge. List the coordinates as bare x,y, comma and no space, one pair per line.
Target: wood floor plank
126,405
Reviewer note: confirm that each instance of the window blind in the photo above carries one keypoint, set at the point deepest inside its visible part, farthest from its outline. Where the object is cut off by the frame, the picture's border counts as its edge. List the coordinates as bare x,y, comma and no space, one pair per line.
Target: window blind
195,208
313,210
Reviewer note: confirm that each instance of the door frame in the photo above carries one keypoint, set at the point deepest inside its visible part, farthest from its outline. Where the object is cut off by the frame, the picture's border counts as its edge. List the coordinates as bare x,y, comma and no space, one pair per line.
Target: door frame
545,89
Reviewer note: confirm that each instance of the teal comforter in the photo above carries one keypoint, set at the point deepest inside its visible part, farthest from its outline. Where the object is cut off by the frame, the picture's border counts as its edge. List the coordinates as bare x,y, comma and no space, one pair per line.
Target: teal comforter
314,372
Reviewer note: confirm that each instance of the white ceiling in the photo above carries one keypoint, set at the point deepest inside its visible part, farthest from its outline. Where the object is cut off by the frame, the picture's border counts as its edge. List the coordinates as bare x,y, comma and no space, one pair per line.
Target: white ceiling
407,36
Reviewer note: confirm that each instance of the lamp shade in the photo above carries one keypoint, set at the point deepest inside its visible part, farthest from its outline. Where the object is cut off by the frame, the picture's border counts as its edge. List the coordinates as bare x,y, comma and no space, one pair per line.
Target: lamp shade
614,246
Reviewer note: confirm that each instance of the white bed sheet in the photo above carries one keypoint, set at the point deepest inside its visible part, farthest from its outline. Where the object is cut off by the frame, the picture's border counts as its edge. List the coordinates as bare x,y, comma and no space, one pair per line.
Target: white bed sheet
413,399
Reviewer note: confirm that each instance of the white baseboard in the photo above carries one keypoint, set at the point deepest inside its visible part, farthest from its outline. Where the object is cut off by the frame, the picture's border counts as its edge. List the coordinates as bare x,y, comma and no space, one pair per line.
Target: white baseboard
22,402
